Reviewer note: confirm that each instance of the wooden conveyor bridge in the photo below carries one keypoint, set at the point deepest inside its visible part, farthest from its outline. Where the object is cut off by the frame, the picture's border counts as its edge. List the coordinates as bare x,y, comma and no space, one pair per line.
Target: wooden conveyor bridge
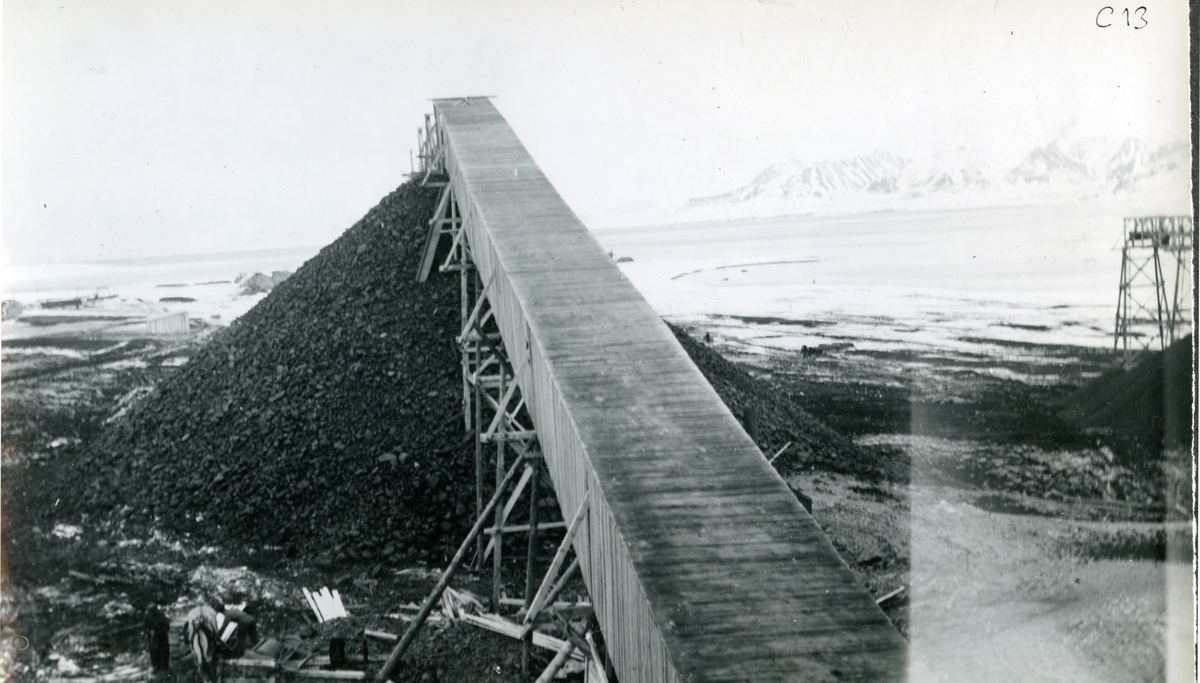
700,562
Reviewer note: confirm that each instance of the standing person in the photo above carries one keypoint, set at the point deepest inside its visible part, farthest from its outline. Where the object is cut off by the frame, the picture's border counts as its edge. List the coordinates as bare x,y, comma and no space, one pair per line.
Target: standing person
213,634
158,629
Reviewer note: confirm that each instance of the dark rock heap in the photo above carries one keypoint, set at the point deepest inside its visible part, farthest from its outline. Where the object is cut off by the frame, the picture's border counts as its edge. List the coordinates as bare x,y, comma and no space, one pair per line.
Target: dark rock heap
780,420
328,419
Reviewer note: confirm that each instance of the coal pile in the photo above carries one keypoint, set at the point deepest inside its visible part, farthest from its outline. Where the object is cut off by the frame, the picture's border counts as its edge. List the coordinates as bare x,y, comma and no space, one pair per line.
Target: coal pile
327,419
781,421
1148,406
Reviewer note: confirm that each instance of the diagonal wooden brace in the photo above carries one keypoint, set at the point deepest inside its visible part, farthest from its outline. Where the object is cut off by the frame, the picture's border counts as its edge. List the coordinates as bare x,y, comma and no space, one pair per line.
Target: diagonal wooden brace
511,427
553,594
473,319
484,365
502,412
433,236
433,165
489,341
512,501
539,599
455,229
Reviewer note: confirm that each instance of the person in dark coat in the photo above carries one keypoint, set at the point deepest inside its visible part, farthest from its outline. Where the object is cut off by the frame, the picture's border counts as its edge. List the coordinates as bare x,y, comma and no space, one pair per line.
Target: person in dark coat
158,641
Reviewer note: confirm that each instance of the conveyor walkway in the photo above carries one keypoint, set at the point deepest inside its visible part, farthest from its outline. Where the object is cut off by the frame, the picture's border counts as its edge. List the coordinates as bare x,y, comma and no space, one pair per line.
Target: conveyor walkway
701,564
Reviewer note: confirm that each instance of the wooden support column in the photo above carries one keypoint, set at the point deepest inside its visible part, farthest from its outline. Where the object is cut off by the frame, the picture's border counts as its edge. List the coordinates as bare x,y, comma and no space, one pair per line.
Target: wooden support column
474,370
465,310
498,537
478,473
531,556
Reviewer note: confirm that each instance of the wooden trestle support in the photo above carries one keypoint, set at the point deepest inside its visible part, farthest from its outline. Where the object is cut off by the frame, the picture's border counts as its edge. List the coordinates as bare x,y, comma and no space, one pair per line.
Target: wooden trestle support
494,409
699,563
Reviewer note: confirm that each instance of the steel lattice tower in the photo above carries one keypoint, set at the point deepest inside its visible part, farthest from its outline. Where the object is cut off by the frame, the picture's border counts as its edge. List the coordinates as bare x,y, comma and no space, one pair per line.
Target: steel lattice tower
1154,300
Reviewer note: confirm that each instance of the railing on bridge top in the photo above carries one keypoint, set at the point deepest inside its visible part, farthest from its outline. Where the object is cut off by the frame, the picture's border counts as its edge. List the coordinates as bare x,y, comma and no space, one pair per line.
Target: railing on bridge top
700,563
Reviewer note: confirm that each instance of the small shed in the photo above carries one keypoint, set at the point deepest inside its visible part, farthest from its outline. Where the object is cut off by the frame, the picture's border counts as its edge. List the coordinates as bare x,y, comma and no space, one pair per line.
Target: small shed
172,323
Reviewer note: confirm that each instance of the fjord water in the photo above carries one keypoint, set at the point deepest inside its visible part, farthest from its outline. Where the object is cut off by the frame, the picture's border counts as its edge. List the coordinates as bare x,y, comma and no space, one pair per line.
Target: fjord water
1043,275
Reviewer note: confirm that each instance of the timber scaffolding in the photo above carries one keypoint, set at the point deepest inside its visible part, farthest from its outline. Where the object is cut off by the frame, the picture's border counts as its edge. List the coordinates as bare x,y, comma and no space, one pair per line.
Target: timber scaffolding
700,562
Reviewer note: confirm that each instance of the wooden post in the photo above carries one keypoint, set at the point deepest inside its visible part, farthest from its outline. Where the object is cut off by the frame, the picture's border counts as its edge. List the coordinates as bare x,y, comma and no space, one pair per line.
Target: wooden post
750,418
478,466
498,537
464,311
477,349
527,641
436,594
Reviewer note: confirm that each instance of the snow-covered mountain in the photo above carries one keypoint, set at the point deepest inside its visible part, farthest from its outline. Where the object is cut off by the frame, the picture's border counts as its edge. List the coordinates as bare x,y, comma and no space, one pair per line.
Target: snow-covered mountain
1061,170
792,180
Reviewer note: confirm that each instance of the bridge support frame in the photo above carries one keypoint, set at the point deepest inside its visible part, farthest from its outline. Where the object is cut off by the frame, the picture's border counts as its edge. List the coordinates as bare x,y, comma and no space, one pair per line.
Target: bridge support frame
494,409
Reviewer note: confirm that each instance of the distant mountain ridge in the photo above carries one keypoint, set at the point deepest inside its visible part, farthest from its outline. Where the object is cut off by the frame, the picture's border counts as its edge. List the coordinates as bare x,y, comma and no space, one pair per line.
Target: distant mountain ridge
1063,169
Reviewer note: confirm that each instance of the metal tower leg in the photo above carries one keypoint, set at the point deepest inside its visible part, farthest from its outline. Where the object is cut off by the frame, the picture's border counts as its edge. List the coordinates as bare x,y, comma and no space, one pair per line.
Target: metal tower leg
1144,322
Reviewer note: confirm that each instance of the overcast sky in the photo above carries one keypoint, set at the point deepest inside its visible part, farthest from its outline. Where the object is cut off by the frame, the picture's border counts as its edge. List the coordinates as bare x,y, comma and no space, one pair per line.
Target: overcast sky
140,128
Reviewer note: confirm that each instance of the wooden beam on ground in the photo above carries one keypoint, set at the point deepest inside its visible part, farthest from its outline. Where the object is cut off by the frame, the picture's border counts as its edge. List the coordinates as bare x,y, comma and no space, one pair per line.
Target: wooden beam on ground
498,624
344,675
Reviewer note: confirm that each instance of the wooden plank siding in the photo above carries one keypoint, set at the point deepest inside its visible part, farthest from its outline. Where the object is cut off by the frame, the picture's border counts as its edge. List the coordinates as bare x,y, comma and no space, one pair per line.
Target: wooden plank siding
701,564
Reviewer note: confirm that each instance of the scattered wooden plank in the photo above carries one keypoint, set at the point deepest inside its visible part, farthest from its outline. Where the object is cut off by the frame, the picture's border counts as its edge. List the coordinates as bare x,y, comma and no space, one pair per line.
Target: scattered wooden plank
498,624
557,663
779,452
889,596
312,604
306,672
